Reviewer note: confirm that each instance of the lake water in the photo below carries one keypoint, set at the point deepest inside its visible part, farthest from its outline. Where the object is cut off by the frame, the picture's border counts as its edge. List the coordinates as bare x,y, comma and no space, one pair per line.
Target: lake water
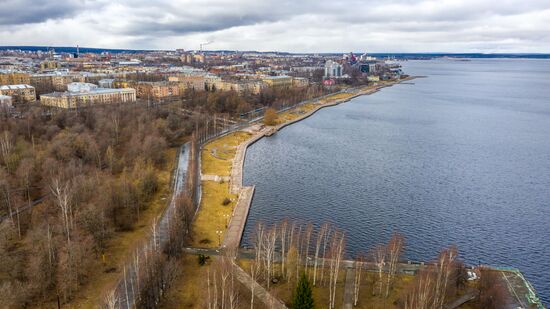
459,157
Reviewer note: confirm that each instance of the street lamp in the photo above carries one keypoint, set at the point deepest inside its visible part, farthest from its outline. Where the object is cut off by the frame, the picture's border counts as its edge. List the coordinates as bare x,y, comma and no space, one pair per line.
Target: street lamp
226,216
219,237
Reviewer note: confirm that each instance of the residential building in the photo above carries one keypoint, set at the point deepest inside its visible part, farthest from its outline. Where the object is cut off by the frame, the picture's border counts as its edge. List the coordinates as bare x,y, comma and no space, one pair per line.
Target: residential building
49,65
159,90
106,83
333,69
19,93
54,82
84,95
5,101
14,78
278,81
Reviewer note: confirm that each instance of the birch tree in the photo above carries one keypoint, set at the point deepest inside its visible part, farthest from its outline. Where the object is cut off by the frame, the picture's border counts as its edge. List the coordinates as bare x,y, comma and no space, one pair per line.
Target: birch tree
394,249
359,262
379,258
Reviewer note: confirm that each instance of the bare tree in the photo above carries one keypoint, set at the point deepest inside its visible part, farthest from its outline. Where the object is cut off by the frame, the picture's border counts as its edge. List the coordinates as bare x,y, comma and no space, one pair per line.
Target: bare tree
320,236
394,249
283,232
379,257
444,267
421,294
337,253
359,262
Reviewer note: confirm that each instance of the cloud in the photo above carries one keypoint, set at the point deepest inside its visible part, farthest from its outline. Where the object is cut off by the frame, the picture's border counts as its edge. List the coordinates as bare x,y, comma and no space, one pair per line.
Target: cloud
300,26
16,12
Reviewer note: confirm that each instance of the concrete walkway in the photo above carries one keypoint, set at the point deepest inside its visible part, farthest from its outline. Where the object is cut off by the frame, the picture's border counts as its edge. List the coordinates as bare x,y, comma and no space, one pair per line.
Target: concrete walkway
259,292
348,288
215,178
235,229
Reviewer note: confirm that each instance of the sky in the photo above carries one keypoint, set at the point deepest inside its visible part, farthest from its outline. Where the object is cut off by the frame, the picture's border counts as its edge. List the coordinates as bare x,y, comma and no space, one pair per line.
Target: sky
487,26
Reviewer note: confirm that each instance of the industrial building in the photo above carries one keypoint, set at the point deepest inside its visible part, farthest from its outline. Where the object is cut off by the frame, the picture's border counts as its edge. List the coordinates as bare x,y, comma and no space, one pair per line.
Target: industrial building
80,95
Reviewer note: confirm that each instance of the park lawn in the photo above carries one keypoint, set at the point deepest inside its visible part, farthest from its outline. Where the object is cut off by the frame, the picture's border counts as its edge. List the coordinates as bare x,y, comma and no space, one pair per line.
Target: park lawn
217,156
210,217
122,244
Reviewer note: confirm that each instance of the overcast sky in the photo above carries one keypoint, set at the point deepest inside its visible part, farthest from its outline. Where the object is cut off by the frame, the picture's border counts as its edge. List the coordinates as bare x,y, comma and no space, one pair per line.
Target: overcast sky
282,25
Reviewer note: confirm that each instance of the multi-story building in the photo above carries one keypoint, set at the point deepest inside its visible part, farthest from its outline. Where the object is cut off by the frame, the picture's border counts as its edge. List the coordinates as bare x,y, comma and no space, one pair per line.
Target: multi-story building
278,81
5,101
19,93
54,82
250,86
84,95
333,69
191,81
159,90
49,65
14,78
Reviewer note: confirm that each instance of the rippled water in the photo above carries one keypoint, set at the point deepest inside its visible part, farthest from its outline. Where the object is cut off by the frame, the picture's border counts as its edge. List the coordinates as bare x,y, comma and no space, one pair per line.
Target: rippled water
460,157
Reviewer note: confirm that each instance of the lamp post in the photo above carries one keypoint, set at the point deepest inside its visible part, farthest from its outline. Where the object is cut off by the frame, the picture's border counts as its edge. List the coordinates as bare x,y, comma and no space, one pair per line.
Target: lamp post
226,216
219,237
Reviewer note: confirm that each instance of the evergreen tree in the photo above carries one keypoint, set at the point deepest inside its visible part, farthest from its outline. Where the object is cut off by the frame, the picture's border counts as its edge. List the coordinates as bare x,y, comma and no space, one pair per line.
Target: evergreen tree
303,298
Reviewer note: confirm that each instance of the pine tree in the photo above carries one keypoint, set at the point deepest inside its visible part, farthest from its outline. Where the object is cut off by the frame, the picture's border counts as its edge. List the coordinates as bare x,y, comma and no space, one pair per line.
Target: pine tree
303,298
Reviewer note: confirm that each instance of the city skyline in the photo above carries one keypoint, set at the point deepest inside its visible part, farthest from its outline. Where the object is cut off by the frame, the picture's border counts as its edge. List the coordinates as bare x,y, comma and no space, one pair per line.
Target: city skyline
308,26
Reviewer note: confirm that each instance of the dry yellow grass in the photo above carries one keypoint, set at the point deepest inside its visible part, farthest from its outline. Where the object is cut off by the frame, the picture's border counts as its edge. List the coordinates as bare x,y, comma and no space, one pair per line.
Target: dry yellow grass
217,156
295,113
122,245
335,97
213,215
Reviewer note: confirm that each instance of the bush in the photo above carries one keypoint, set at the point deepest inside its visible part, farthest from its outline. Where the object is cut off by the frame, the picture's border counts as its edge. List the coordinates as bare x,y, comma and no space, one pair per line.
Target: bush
202,259
270,117
226,201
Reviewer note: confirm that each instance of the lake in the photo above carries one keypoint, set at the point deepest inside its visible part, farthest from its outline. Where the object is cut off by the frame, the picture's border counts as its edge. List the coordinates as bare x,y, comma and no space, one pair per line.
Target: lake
459,157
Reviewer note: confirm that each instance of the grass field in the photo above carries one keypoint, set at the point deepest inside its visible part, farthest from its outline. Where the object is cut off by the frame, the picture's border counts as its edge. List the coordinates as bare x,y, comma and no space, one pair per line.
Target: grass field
212,215
217,156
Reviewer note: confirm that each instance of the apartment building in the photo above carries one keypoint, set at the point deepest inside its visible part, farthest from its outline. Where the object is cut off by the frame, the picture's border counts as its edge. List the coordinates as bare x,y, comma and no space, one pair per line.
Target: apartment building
20,93
80,95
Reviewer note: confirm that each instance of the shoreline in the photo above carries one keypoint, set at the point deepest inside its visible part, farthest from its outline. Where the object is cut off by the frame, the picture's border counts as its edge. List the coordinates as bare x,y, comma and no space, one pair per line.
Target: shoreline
237,224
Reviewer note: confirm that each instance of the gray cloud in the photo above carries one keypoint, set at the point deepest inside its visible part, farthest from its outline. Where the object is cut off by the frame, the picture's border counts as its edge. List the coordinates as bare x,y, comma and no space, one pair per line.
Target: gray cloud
15,12
307,25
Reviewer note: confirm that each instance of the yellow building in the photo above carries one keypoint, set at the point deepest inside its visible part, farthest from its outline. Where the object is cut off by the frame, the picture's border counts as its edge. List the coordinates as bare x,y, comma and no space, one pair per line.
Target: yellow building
19,93
254,87
193,81
159,90
278,81
46,83
86,95
14,79
49,65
